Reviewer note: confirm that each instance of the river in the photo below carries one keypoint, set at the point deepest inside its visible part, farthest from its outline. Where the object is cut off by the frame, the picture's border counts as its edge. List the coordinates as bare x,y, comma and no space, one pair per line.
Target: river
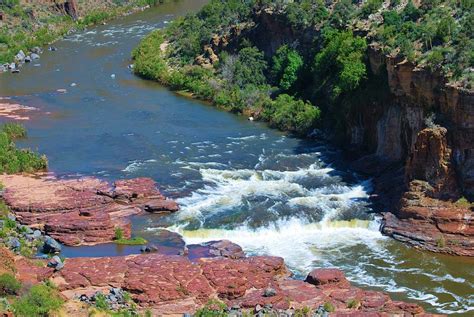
263,189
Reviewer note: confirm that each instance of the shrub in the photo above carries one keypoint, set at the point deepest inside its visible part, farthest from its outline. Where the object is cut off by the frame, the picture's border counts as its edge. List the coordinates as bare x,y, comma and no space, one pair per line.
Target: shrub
340,64
213,308
13,160
14,130
289,114
40,300
149,61
9,285
353,304
287,63
329,307
118,233
101,302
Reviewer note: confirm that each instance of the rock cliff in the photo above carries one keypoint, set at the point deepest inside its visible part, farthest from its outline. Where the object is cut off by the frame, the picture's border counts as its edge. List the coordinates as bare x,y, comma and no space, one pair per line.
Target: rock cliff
420,130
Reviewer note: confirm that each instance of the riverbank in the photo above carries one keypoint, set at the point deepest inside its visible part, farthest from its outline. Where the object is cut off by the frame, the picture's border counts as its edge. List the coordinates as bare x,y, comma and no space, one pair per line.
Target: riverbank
222,282
26,28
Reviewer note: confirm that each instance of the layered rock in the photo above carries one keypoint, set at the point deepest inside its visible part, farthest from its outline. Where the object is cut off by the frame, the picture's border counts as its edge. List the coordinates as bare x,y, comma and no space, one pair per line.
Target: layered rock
82,211
428,217
175,285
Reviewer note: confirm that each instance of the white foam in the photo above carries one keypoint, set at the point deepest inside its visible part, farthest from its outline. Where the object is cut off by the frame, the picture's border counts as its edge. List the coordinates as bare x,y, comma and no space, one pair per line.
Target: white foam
294,240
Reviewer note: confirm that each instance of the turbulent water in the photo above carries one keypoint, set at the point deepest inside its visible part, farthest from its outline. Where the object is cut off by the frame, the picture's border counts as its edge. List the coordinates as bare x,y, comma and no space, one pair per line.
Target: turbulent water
235,179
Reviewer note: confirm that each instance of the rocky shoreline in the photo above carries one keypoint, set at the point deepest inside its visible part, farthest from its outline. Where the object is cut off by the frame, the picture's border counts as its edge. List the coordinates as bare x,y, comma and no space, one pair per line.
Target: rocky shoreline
81,211
174,284
86,211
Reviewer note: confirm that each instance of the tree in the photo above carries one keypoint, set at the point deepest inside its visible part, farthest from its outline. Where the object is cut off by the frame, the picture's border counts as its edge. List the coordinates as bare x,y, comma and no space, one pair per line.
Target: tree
249,68
287,63
340,64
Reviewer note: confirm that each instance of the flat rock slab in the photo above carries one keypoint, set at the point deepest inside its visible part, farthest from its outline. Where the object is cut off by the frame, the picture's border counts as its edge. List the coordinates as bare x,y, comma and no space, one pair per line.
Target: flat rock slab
14,111
80,211
176,285
431,224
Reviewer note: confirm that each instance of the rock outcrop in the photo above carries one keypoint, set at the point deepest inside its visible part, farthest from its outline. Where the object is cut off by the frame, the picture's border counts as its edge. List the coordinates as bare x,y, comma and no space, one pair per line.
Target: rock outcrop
175,285
82,211
428,217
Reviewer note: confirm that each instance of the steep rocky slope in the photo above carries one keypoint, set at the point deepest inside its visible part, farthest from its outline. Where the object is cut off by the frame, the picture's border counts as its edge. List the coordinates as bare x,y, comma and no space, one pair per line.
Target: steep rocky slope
406,123
418,142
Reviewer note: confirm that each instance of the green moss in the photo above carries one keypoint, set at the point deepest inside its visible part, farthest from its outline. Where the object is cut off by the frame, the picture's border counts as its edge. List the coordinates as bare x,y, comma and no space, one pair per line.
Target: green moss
132,241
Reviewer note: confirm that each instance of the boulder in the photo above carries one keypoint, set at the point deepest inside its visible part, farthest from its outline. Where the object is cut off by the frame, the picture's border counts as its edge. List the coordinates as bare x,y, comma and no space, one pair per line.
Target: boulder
51,246
20,56
13,244
56,263
225,248
34,56
330,276
164,206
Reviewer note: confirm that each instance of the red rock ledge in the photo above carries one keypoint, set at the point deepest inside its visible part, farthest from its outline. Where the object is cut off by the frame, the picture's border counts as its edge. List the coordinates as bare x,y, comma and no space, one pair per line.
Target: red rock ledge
83,211
173,284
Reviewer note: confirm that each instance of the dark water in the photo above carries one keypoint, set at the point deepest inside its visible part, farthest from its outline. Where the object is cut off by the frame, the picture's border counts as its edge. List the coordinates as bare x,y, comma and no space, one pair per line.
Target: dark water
235,179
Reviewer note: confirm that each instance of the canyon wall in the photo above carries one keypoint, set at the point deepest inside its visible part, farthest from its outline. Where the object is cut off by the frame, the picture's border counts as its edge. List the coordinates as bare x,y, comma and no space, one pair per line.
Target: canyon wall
416,140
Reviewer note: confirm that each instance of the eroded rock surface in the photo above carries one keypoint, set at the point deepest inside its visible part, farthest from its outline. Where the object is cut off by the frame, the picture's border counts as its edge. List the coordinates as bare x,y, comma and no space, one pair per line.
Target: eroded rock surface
82,211
176,285
429,216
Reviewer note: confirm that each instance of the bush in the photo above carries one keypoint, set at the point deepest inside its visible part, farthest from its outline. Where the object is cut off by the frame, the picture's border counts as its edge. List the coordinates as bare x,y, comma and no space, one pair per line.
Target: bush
213,308
289,114
149,61
287,64
14,130
340,64
9,285
118,233
40,300
13,160
329,307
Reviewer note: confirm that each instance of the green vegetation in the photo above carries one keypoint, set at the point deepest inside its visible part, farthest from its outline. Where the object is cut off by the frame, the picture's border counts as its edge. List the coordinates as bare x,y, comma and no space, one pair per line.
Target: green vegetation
28,26
14,130
287,64
14,160
464,203
353,304
329,307
441,241
323,63
132,241
9,285
40,300
213,308
339,67
119,239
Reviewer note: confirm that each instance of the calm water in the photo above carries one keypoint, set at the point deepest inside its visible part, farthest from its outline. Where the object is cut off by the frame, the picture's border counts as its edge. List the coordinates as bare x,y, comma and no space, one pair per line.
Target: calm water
269,192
